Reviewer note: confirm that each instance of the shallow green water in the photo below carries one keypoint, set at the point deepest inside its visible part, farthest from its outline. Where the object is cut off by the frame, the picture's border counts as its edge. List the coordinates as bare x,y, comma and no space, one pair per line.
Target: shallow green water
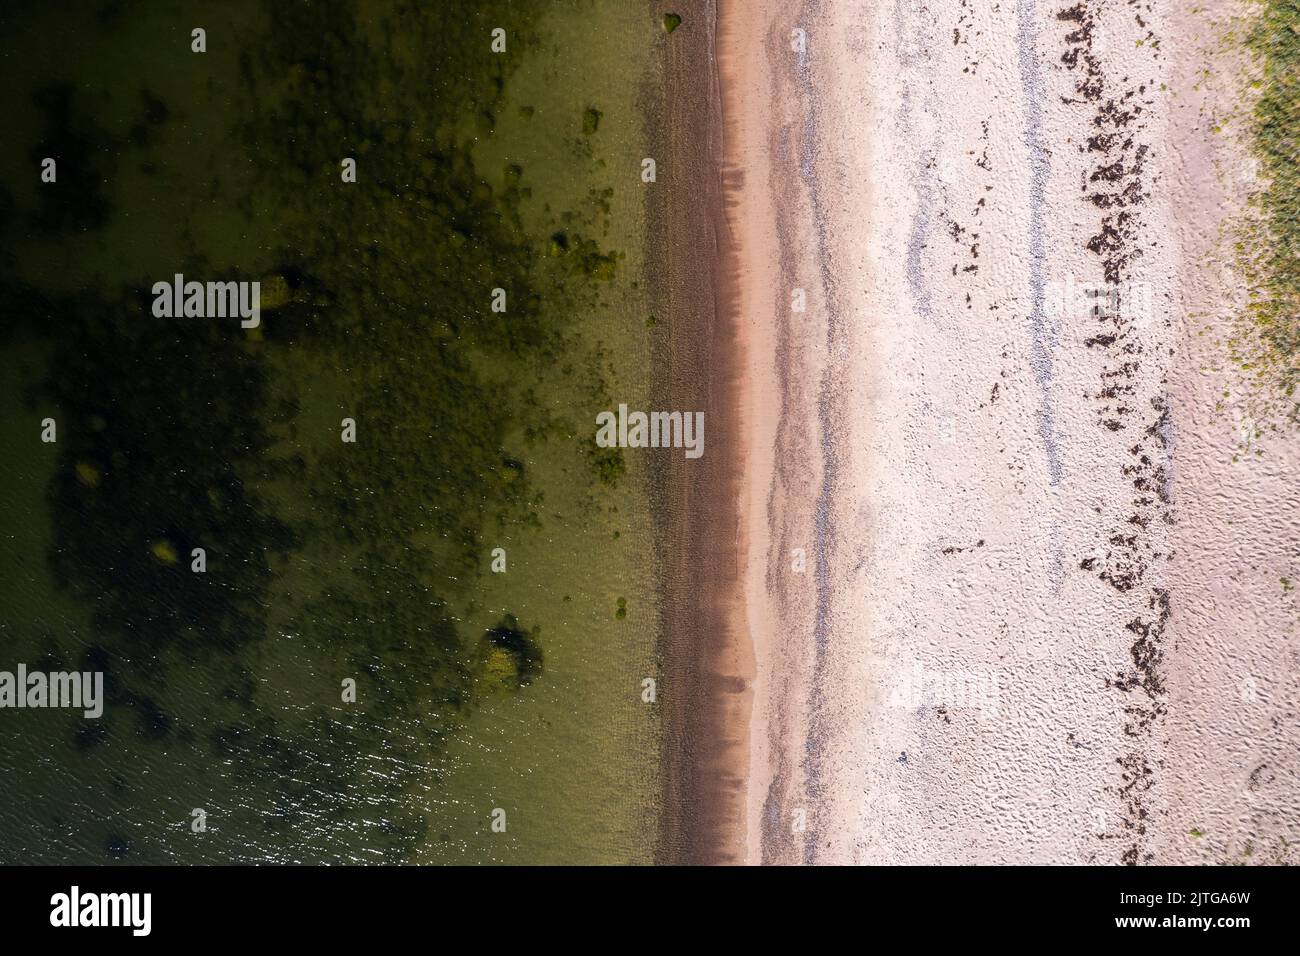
326,560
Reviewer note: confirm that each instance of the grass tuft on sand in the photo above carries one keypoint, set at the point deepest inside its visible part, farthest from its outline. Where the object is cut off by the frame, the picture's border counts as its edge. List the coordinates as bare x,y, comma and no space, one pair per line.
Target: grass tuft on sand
1270,245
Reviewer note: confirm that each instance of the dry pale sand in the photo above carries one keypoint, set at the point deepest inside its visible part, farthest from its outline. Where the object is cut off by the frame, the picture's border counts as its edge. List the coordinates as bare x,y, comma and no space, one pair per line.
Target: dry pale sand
1013,591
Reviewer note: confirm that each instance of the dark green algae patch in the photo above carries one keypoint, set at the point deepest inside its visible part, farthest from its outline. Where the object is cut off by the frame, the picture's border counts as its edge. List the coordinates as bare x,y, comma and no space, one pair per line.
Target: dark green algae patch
325,560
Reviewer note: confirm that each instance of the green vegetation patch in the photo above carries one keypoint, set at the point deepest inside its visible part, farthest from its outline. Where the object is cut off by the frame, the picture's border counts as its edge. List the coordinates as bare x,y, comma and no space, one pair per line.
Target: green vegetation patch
1270,247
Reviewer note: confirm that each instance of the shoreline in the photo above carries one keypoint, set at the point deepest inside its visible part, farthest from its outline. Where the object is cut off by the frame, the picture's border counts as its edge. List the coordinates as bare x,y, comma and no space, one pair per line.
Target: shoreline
751,214
730,776
703,646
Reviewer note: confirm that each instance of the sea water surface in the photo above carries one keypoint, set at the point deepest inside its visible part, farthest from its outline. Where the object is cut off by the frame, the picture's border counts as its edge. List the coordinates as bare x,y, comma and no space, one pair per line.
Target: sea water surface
482,696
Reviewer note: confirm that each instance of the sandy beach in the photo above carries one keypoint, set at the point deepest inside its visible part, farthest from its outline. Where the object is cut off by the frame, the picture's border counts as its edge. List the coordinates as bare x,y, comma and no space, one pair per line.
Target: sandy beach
705,648
1009,585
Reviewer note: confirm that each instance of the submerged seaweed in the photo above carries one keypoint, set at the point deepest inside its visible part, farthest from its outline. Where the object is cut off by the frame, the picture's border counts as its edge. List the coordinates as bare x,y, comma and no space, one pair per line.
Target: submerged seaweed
176,436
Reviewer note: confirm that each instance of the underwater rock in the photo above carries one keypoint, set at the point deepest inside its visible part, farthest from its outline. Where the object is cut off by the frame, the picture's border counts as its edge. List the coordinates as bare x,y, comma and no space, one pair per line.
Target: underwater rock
510,656
164,552
275,292
88,474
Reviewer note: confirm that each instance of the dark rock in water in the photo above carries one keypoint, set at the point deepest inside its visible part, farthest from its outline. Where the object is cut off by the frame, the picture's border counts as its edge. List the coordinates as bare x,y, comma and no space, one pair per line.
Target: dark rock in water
507,642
